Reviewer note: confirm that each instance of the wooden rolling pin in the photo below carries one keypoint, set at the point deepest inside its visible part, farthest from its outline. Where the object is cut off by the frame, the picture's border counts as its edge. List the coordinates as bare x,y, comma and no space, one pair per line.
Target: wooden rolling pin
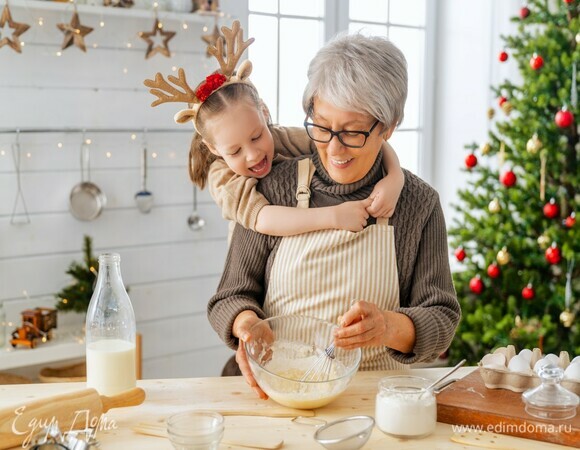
19,423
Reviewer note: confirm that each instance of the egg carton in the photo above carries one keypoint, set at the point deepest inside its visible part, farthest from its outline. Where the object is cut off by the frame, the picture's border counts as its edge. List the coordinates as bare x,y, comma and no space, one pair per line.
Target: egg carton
503,378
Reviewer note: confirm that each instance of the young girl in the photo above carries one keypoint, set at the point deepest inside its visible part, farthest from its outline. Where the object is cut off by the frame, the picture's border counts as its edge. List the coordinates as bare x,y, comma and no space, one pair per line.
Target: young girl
234,147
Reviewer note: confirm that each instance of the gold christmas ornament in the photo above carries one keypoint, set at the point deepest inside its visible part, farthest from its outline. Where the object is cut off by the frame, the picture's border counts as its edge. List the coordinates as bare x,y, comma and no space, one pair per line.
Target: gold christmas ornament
544,241
19,28
153,49
503,256
485,148
74,32
567,318
494,206
507,107
490,113
534,144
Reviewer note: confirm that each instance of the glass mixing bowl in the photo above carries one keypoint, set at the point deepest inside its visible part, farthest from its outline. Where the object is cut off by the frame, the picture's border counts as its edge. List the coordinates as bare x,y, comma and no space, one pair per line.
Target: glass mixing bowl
282,349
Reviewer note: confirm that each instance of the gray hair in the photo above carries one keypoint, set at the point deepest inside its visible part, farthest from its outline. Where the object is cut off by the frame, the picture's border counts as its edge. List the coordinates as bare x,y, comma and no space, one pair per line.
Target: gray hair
361,74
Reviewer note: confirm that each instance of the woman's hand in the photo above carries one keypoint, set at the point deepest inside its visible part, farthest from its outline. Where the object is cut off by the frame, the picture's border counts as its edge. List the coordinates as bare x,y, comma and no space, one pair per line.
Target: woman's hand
363,325
241,329
351,216
366,325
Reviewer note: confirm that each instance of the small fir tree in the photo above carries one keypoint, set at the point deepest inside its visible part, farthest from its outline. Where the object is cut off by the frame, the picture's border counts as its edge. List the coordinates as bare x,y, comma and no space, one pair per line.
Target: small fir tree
516,233
76,296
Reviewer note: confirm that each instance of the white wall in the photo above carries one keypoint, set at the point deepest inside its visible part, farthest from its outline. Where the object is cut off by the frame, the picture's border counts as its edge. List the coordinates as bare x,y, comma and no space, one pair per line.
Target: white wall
171,270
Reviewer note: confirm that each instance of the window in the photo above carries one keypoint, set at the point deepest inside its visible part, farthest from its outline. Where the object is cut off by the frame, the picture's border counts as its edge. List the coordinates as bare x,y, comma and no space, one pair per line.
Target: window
289,33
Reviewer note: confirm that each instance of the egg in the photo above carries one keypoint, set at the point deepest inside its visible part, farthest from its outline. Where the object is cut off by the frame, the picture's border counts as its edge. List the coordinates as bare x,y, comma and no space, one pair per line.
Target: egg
553,359
519,364
573,371
541,363
526,353
495,359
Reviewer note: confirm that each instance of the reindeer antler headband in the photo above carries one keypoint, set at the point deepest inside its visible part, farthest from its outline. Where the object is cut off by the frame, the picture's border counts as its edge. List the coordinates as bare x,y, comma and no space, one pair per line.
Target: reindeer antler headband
235,47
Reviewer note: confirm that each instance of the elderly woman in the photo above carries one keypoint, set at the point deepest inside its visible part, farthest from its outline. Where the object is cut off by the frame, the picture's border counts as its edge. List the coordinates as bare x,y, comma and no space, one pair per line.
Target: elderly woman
397,273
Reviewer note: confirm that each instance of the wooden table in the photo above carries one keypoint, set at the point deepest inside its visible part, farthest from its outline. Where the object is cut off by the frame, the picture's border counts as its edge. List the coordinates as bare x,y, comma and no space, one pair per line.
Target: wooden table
169,396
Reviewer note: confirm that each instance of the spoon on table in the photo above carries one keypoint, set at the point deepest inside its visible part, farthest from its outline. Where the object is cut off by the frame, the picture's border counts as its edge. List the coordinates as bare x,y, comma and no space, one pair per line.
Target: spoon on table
195,221
440,379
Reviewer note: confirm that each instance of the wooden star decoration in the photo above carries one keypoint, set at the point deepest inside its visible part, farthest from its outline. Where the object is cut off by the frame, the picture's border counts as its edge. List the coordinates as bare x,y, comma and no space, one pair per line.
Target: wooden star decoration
74,33
211,39
153,49
19,28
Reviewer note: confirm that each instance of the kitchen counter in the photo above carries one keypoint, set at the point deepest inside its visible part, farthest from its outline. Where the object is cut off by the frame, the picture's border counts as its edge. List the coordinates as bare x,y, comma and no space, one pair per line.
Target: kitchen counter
169,396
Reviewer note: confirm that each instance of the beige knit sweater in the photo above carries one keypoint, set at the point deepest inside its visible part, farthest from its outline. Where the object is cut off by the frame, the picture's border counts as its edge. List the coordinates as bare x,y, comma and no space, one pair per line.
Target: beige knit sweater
426,294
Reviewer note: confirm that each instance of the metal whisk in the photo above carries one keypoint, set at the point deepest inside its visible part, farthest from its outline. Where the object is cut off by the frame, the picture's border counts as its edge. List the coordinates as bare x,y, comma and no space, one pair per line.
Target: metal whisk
320,370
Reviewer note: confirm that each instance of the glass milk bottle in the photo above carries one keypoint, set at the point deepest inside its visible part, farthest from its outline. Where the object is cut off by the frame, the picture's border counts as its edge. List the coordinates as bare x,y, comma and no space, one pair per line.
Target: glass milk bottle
110,331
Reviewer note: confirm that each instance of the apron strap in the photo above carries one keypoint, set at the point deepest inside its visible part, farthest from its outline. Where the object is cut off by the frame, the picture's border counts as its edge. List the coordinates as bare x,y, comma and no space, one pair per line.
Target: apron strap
305,172
383,221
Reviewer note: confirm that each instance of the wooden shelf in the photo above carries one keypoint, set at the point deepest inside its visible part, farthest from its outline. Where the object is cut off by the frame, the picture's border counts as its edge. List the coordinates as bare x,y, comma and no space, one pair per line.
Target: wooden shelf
66,345
111,11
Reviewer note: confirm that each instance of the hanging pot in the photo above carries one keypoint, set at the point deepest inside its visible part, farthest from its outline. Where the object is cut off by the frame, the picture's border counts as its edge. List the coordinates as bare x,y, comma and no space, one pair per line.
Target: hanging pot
86,200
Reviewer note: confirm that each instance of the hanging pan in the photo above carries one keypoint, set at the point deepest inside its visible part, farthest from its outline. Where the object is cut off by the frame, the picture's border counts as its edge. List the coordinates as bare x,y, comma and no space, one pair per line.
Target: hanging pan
86,199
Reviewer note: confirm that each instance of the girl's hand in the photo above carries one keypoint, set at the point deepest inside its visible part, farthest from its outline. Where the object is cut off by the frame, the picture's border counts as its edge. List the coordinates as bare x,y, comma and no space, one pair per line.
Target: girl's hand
351,216
385,195
241,329
363,325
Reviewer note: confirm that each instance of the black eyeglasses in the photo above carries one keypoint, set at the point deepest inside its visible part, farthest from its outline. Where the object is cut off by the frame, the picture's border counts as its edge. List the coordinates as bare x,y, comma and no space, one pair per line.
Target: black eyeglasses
348,138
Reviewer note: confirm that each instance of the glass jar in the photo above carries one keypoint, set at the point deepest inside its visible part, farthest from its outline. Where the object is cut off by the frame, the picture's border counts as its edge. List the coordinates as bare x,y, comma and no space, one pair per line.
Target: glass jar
405,408
110,331
550,400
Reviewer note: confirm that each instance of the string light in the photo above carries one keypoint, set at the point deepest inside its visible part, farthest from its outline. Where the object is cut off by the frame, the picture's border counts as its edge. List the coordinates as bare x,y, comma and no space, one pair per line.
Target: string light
133,136
205,28
59,145
2,153
102,24
95,45
40,21
59,53
171,155
108,154
125,70
28,154
174,68
88,141
153,155
184,25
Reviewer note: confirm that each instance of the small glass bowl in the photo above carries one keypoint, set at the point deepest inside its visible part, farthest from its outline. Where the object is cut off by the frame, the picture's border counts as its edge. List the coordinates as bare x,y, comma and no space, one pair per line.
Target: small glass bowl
195,430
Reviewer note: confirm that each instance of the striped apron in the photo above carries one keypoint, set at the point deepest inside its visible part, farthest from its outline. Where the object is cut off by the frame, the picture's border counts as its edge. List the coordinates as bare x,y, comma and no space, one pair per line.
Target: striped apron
320,273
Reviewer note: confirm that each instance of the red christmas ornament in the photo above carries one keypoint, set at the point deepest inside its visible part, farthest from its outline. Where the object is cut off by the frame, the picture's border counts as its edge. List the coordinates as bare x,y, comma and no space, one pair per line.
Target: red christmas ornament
476,285
553,255
503,56
551,209
460,254
570,220
564,118
501,100
508,178
493,270
524,12
536,62
470,161
528,292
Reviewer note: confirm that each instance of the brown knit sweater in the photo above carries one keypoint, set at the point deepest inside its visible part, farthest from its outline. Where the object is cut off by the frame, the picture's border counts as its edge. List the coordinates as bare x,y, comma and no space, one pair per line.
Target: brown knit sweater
426,294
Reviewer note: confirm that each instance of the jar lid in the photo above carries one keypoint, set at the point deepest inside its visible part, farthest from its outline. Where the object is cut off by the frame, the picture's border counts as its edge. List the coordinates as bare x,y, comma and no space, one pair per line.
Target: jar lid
550,400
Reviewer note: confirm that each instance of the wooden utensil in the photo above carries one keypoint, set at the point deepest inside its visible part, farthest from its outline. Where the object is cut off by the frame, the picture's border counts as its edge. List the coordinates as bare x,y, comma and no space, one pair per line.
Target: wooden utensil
468,402
72,411
263,442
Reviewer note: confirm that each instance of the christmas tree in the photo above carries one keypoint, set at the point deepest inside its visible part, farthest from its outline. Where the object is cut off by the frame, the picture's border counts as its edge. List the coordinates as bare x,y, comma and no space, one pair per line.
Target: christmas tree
515,232
76,296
